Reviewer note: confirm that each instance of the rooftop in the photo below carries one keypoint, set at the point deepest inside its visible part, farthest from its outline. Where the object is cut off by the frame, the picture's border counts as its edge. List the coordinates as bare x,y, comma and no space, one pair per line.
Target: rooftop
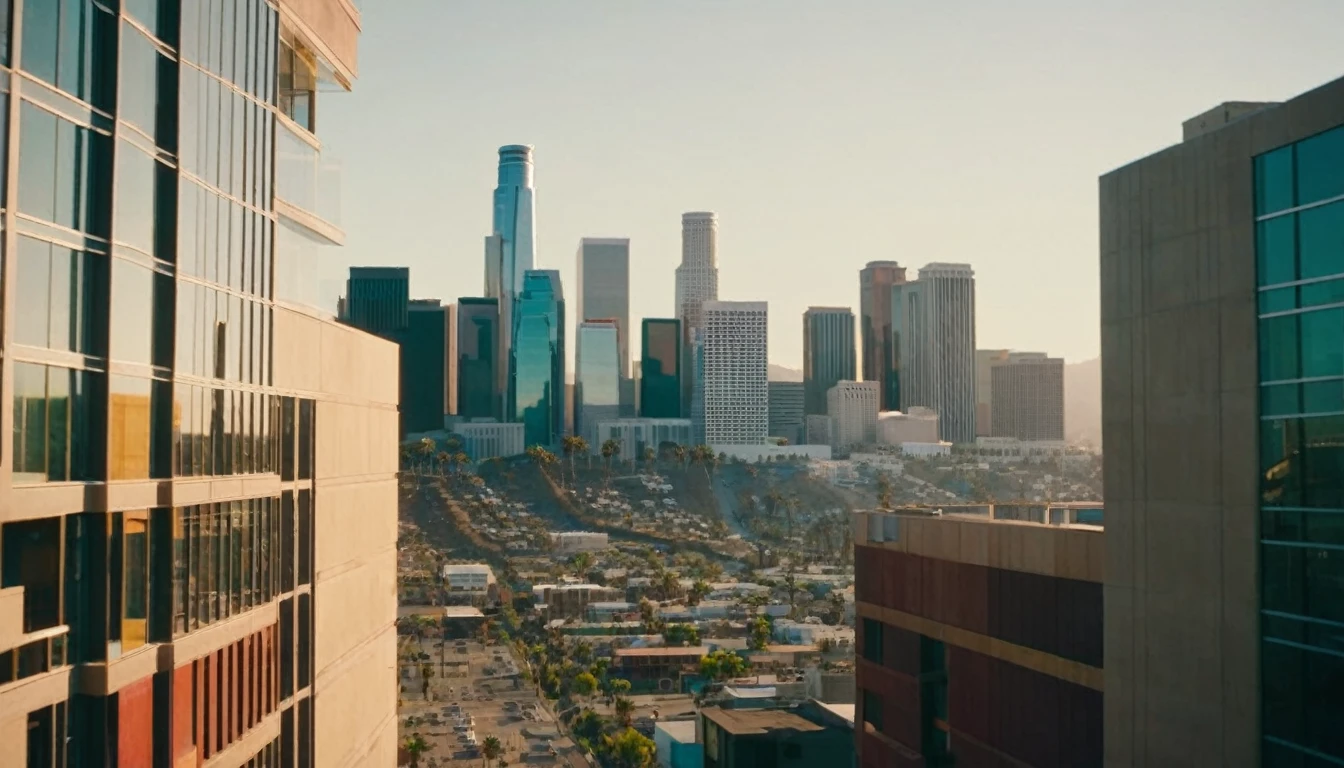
747,722
680,731
695,650
842,711
462,612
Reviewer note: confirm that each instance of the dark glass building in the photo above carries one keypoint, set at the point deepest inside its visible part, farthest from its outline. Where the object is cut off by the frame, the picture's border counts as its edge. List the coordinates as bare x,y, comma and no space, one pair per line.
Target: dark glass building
537,383
424,366
377,299
477,343
880,358
660,369
828,354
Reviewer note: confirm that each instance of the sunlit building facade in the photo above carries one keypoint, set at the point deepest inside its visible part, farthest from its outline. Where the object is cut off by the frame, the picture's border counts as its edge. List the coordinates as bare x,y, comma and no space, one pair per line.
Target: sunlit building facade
933,332
537,381
735,380
194,552
597,377
697,280
660,369
880,358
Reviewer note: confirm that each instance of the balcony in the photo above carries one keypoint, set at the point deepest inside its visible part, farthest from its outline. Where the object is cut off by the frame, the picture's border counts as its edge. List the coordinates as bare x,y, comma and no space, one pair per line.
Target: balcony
40,651
308,182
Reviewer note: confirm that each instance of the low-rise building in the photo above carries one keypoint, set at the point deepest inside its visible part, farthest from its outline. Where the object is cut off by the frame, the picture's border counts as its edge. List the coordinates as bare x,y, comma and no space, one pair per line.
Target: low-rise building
607,610
768,452
1010,450
486,438
818,429
926,449
916,425
740,738
473,582
648,668
637,435
571,542
571,601
677,744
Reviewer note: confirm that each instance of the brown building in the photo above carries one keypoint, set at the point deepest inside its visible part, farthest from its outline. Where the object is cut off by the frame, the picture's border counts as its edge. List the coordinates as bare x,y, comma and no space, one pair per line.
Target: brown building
644,667
1027,397
875,339
980,641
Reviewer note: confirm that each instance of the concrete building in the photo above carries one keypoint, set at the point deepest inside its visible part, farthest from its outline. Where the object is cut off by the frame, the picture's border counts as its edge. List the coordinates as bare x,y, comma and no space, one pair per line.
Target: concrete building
570,542
985,359
828,353
636,435
1220,339
786,410
571,601
697,280
933,323
736,394
1027,394
659,373
676,745
167,405
979,640
743,737
645,668
483,439
819,430
920,425
597,377
852,406
880,359
603,288
468,577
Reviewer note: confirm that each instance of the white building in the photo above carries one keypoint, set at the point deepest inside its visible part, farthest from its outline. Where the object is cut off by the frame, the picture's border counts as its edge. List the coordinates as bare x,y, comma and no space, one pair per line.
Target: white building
483,440
1007,450
468,577
569,542
852,406
920,425
933,320
770,452
698,273
635,435
736,388
926,449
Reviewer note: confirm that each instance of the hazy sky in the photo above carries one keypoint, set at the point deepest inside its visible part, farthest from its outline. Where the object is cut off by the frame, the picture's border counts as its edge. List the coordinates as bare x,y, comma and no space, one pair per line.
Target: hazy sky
825,135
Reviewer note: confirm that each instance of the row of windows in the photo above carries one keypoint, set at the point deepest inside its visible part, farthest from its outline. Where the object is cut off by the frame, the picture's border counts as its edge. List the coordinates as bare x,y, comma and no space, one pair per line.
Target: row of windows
228,139
148,88
55,435
1302,462
235,39
228,557
222,241
1312,397
1302,346
64,172
146,204
1300,174
223,335
72,45
1301,246
224,432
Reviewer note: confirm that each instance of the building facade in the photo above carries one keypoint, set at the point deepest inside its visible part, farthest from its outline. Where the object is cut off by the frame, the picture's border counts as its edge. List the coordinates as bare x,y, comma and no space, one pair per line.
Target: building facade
597,378
697,279
933,327
477,345
1027,392
818,430
483,440
195,555
828,353
426,351
920,425
985,360
881,362
377,299
603,288
639,435
736,396
786,410
510,249
660,369
537,365
852,406
979,641
1221,393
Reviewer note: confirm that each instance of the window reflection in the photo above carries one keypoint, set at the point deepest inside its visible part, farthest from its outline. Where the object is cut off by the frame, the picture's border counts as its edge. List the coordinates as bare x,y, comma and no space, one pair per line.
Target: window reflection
63,171
146,202
128,425
226,558
72,45
298,85
132,317
53,426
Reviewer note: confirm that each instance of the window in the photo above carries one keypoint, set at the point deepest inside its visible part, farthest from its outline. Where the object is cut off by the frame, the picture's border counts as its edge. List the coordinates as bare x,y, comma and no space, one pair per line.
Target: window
129,424
1276,250
53,423
307,410
1319,160
1322,335
872,640
135,580
1274,181
1321,239
224,555
158,16
57,297
298,83
64,171
872,709
146,203
72,45
1279,349
1301,696
32,560
148,89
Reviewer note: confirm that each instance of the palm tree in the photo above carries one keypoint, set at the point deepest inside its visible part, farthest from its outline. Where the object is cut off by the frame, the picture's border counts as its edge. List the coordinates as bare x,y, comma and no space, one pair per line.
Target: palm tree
573,444
490,747
581,562
415,746
444,459
668,585
625,711
610,450
680,453
883,491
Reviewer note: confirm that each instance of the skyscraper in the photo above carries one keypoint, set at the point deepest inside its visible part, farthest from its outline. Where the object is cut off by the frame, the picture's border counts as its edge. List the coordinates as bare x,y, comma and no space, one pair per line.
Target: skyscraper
510,249
1222,345
660,375
424,366
852,406
198,481
1027,393
985,360
880,360
537,386
786,410
736,395
828,353
933,327
478,396
603,288
597,393
377,299
697,277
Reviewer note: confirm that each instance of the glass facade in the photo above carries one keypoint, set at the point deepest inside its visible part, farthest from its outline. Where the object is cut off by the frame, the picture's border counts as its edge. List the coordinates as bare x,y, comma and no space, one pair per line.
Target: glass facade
1299,206
477,344
537,364
597,378
660,369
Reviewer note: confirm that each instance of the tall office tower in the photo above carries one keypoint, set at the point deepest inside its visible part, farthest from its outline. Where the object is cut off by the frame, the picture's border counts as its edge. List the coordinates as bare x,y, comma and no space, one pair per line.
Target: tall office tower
697,278
510,249
852,406
1222,372
828,353
478,396
537,380
1028,397
195,553
424,366
603,270
450,358
880,359
597,393
736,395
985,360
377,299
786,410
660,369
933,327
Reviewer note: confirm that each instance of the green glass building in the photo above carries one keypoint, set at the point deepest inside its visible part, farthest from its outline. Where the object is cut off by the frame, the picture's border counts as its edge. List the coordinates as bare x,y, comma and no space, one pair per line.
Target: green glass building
537,383
660,368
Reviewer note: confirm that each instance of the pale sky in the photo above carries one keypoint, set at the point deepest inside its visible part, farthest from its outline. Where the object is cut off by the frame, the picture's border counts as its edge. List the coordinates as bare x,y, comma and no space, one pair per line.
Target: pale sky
825,134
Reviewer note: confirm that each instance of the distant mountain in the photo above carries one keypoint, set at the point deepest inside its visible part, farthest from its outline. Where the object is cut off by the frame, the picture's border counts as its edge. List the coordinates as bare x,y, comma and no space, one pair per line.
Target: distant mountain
1082,402
780,373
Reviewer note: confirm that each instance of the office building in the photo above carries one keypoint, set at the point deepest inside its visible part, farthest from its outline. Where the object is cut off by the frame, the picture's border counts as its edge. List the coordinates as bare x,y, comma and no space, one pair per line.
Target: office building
426,353
986,359
979,637
880,360
638,435
597,377
538,359
660,368
933,325
786,410
1222,374
697,278
697,378
168,405
736,397
603,288
828,352
377,299
852,406
477,345
487,439
920,425
1027,394
818,430
793,737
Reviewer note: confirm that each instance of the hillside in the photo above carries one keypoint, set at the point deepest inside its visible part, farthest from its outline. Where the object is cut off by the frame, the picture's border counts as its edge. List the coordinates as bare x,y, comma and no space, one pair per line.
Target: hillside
782,373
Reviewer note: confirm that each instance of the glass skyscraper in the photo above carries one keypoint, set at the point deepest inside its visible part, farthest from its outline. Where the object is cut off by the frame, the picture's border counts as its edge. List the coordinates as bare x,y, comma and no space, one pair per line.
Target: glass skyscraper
477,345
660,369
537,383
828,353
597,377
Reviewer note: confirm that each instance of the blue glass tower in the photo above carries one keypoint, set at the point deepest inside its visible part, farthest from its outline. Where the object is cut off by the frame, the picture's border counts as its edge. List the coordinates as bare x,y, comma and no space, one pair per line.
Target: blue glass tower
537,364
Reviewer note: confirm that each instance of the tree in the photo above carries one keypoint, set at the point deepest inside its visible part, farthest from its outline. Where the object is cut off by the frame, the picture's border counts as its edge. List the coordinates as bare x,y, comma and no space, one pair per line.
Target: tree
610,449
625,711
723,665
415,746
581,562
759,638
619,686
883,491
680,453
573,444
584,685
669,585
681,635
791,584
630,749
698,591
490,747
649,456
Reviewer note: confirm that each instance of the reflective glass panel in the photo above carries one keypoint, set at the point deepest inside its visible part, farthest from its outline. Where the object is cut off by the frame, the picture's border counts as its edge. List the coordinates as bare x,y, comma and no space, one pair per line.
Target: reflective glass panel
132,312
1320,167
1274,181
128,425
1276,250
1321,240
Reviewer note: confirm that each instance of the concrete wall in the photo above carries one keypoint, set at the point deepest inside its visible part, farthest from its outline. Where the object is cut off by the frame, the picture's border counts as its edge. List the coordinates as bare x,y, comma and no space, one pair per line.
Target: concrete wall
1179,411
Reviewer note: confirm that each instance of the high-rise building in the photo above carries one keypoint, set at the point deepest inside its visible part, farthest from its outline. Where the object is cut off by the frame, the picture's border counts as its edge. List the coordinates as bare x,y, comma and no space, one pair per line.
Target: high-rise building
377,299
979,637
697,278
828,352
537,382
933,328
198,484
603,287
1222,373
1028,397
597,377
985,359
736,398
424,366
510,249
852,406
697,378
880,359
478,397
660,369
786,410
